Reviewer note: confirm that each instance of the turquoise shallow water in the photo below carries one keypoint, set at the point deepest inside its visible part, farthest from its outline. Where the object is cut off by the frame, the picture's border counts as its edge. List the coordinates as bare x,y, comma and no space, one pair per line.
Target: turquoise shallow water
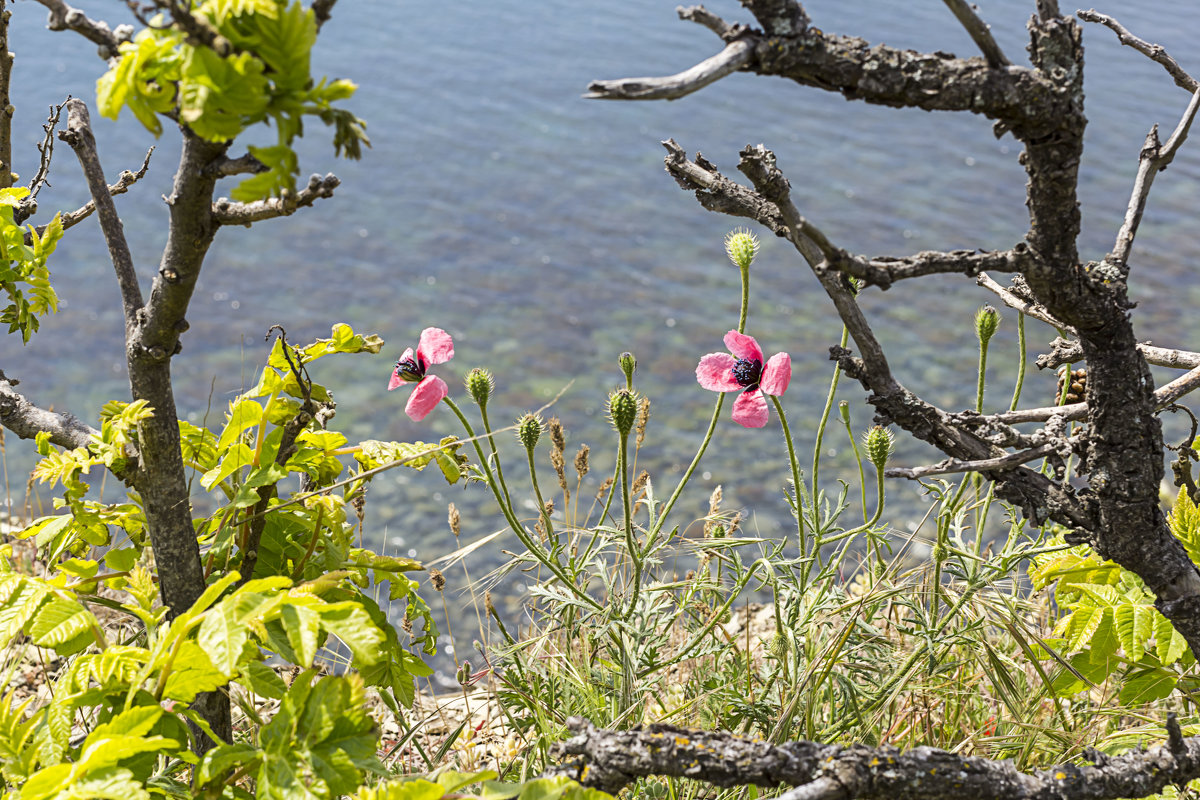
540,230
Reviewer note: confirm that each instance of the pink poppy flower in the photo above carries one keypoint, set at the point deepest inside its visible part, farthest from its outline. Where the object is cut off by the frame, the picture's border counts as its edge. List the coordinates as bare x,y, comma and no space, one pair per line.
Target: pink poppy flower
744,372
435,347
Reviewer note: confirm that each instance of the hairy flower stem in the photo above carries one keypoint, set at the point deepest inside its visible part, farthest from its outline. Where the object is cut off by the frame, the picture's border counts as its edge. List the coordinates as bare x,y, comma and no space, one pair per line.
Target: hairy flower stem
833,384
627,506
537,491
787,436
487,428
532,546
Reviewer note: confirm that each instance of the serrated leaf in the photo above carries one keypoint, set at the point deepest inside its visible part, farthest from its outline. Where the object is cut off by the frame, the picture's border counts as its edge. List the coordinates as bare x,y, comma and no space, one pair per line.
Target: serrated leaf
60,621
1147,685
1169,644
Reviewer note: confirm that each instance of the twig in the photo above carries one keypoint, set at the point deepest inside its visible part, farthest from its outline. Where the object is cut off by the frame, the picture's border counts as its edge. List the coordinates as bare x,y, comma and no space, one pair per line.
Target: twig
124,181
28,204
979,32
1154,158
79,136
1035,310
225,212
953,465
702,16
1063,351
736,55
883,271
779,17
27,420
1154,52
64,17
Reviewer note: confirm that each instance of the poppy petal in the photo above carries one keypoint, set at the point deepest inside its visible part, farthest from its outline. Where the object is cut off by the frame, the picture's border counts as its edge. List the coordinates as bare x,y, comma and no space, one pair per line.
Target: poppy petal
435,346
427,394
743,346
750,409
715,373
777,374
396,381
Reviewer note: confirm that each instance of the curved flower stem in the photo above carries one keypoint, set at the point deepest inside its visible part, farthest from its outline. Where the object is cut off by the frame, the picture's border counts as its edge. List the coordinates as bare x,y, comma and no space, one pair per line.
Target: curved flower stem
833,384
1021,359
487,428
533,547
787,436
537,491
867,524
630,543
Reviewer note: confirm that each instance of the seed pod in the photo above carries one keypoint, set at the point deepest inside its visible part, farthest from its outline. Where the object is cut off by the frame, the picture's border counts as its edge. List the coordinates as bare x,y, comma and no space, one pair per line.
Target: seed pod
741,246
987,320
480,384
622,410
879,443
628,365
529,430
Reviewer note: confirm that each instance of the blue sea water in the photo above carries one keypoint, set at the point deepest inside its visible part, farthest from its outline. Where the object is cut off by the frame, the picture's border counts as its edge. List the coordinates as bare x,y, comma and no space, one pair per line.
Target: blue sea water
541,231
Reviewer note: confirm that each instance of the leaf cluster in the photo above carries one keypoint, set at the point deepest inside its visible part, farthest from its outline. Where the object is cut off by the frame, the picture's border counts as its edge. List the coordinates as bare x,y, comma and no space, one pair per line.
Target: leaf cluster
22,263
265,79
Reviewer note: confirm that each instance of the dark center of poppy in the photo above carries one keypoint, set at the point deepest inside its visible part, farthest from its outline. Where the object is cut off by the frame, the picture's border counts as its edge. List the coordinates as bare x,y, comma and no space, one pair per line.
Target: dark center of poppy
410,369
747,372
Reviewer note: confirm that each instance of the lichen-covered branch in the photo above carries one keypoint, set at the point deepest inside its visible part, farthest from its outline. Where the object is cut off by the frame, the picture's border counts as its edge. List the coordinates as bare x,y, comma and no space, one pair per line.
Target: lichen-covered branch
226,212
611,760
26,420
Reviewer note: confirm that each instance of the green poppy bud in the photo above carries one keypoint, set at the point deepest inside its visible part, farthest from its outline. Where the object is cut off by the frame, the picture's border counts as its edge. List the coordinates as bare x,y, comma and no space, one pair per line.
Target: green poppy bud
480,384
529,428
987,320
879,444
628,365
742,247
622,410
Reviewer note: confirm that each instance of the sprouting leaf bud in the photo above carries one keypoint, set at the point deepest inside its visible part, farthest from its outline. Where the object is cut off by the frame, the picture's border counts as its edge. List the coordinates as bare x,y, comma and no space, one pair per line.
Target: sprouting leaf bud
628,365
480,384
622,410
529,429
879,443
987,320
742,246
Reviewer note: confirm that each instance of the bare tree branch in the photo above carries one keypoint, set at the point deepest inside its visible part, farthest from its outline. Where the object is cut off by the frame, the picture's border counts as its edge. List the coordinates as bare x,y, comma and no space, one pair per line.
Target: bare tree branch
64,17
951,466
79,136
611,760
26,420
225,212
28,205
6,108
1154,158
1154,52
1025,306
1063,351
979,32
124,181
702,16
736,55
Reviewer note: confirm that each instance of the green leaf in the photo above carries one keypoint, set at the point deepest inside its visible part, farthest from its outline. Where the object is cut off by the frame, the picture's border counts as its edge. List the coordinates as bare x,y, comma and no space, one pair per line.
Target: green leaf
302,626
1169,644
242,414
59,622
282,169
219,96
262,680
1143,686
192,673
